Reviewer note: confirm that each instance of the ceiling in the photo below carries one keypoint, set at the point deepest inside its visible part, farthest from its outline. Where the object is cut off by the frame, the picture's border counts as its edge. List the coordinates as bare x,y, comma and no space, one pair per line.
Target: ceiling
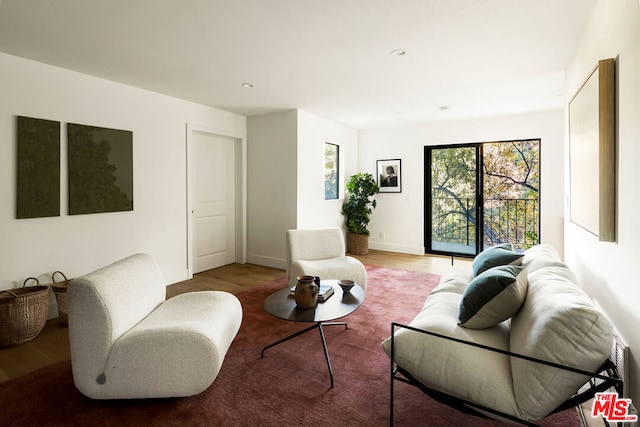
332,58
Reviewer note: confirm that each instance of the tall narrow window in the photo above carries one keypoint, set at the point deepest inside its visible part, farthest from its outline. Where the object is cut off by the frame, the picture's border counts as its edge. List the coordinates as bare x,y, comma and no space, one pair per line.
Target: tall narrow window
331,170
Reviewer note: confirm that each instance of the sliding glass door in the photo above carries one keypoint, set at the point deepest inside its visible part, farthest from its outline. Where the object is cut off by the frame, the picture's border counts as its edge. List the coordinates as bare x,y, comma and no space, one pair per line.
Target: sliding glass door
454,195
480,195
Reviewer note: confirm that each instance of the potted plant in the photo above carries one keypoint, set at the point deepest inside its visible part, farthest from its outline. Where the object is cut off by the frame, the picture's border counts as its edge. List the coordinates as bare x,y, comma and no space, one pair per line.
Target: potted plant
358,207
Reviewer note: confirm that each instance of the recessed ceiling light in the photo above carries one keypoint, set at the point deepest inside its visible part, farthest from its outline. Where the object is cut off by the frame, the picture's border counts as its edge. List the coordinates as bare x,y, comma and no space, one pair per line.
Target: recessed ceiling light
247,84
398,52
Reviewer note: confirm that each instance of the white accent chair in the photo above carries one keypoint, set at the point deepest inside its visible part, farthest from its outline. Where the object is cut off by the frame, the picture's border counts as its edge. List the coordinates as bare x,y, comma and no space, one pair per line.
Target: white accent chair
321,252
129,342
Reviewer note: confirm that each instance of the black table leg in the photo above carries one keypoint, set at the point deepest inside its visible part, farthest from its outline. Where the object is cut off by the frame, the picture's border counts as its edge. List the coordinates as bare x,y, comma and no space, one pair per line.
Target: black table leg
318,325
336,324
326,353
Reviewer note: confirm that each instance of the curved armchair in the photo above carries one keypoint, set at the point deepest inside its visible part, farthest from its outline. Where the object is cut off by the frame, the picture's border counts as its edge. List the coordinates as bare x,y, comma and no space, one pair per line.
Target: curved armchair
127,342
321,252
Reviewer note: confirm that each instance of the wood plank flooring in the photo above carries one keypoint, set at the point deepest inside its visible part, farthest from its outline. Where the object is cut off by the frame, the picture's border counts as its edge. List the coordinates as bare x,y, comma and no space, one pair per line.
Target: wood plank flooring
52,345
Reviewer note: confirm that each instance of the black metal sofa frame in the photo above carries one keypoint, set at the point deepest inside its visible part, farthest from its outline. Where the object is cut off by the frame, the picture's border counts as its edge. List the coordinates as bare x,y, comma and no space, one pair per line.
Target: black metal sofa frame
605,378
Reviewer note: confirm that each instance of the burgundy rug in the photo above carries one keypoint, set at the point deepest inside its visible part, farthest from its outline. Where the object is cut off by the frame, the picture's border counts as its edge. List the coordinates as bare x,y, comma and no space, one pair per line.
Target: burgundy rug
289,386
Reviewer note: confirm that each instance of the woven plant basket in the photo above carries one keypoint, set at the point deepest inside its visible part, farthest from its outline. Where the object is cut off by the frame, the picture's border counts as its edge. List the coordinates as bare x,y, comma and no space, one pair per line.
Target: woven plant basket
60,291
23,313
357,244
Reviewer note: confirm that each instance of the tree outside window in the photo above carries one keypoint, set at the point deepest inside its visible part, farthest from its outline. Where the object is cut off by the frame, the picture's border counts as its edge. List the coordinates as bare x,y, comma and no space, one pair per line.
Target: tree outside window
331,170
507,183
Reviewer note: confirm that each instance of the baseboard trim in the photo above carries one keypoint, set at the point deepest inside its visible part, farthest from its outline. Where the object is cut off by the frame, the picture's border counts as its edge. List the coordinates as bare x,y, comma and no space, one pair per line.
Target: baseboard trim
176,276
390,247
267,261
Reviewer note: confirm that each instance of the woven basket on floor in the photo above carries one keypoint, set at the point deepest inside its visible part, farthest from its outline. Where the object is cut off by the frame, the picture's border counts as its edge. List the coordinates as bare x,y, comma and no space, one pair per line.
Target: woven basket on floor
357,244
23,313
60,291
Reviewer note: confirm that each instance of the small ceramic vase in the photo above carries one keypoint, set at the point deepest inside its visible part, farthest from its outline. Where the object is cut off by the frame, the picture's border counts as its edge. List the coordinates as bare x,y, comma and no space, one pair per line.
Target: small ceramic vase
306,292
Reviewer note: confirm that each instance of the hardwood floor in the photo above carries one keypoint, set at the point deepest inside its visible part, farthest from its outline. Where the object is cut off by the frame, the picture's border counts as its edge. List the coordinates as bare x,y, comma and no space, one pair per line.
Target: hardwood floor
425,263
52,344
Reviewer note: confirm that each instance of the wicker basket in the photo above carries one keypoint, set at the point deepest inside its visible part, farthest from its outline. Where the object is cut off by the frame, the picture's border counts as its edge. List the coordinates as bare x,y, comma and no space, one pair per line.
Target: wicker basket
23,313
357,244
60,291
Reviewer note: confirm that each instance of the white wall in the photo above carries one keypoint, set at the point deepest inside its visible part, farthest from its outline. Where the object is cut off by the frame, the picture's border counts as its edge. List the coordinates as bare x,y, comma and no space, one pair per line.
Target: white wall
289,147
80,243
313,131
400,216
608,271
272,188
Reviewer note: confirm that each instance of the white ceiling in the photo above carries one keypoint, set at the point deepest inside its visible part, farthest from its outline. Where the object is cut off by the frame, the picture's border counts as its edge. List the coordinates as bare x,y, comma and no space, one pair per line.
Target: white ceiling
328,57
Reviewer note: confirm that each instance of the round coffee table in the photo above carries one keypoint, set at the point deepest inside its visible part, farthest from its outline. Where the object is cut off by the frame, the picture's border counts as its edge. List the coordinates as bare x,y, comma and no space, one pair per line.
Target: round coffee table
282,305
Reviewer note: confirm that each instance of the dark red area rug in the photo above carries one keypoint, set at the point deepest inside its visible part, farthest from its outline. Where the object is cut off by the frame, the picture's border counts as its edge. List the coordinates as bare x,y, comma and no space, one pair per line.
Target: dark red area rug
289,386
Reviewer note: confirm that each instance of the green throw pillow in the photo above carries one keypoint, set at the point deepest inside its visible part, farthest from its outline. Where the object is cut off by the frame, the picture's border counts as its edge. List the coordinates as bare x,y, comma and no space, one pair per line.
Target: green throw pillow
494,256
493,297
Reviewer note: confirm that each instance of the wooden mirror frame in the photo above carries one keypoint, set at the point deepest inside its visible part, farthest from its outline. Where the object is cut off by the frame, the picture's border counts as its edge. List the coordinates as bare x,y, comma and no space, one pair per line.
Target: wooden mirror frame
592,153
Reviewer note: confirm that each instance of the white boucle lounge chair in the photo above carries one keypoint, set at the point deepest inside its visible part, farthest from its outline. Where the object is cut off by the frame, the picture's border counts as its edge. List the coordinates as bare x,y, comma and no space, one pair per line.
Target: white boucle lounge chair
321,252
127,342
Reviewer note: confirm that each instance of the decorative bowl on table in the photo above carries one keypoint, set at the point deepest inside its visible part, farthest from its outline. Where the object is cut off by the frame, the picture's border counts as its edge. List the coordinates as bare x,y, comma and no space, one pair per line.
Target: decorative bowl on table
346,285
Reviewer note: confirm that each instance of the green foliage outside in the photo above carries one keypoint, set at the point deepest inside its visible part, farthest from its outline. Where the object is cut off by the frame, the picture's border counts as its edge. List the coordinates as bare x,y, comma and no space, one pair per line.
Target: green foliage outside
330,171
511,186
331,186
453,194
511,183
359,203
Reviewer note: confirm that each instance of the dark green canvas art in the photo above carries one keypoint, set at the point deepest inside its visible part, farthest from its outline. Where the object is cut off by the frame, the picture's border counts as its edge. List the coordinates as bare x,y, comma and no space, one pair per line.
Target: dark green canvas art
100,169
38,180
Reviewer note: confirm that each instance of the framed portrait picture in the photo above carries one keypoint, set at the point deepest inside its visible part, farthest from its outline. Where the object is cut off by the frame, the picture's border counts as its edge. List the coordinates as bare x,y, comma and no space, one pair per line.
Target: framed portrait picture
389,176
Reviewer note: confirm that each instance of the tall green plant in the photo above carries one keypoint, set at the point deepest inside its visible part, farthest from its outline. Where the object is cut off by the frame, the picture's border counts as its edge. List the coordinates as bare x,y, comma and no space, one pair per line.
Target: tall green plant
359,204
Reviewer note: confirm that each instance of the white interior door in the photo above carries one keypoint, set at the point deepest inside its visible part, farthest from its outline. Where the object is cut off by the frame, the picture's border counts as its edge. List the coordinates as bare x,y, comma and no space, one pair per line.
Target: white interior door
214,201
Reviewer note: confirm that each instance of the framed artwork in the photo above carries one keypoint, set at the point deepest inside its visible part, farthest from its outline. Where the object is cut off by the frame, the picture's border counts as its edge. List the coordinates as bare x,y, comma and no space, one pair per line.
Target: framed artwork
592,153
389,176
38,180
331,170
100,169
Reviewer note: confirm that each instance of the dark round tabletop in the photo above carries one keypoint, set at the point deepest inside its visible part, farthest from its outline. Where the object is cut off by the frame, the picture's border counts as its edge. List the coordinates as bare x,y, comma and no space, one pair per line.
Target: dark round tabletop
340,304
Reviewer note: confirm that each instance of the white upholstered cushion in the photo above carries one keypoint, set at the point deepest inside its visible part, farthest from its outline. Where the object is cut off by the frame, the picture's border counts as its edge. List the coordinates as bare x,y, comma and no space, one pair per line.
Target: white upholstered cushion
462,371
538,256
344,267
559,323
313,244
321,252
100,315
176,351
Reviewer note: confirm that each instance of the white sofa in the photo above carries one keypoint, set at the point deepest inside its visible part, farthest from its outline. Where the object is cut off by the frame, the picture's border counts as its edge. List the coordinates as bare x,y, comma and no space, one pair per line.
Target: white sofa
127,342
550,319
